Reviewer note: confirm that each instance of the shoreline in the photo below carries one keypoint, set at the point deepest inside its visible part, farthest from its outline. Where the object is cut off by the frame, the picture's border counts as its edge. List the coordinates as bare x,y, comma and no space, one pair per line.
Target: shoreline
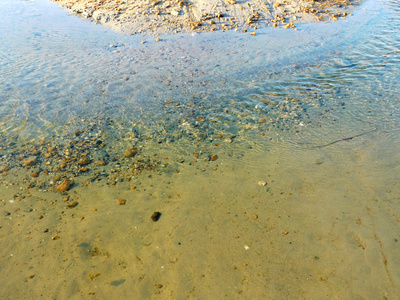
156,17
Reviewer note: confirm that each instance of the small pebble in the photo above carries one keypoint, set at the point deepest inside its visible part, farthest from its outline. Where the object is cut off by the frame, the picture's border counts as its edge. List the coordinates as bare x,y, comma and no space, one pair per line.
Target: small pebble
156,216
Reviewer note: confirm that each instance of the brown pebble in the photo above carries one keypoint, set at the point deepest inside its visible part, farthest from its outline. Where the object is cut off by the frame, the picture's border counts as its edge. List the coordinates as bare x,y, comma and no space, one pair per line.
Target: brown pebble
30,162
93,276
56,237
214,157
156,216
261,120
133,188
196,155
130,152
31,276
40,217
121,201
4,169
84,161
72,204
35,175
64,186
101,163
255,216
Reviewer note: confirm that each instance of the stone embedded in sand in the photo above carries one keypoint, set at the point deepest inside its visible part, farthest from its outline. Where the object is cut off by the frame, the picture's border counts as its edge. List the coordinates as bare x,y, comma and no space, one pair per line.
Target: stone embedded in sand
121,201
4,169
64,186
130,152
156,216
196,155
29,162
93,276
262,120
72,204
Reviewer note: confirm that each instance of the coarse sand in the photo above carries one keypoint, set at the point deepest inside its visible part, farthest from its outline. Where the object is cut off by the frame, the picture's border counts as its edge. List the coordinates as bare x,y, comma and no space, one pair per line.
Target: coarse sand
159,17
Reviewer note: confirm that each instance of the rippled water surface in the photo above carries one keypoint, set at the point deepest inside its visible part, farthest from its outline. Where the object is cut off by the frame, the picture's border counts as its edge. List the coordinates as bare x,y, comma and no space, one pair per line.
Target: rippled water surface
273,159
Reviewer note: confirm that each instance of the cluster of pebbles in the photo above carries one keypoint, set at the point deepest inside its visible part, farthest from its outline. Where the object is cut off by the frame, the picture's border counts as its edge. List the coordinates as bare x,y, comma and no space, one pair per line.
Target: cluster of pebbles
102,149
106,151
157,17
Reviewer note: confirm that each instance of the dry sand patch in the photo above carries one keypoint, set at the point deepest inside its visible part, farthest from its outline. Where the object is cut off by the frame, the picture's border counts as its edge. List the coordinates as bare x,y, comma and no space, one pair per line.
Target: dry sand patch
165,16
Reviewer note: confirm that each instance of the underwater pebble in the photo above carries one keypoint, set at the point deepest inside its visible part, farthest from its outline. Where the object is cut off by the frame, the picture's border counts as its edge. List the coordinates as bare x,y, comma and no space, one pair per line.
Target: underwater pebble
30,162
121,201
64,186
214,157
130,152
72,204
156,216
4,169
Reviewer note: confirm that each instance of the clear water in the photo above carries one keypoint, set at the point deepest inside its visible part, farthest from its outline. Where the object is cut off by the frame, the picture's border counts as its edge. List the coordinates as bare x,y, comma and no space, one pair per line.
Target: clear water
313,113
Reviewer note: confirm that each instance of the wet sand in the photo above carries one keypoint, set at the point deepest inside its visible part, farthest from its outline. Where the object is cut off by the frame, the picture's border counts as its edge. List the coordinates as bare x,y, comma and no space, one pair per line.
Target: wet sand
159,17
232,223
270,205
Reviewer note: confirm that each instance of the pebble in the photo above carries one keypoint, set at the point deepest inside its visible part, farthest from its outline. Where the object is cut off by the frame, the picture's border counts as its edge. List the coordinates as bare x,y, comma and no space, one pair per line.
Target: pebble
4,169
130,152
262,183
30,162
72,204
84,161
156,216
64,186
214,157
121,201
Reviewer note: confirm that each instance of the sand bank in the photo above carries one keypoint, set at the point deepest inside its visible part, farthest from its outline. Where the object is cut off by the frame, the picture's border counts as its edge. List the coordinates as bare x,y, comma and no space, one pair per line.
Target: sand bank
158,17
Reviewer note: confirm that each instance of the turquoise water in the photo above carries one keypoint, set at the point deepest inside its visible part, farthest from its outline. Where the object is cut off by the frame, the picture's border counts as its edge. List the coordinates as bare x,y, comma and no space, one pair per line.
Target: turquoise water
273,159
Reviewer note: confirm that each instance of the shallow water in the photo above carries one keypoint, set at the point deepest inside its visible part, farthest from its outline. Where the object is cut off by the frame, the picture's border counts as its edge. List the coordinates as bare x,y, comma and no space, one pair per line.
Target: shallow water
273,159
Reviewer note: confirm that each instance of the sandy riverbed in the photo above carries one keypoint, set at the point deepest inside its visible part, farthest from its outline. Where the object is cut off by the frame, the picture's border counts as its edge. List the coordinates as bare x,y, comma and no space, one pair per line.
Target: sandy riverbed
158,17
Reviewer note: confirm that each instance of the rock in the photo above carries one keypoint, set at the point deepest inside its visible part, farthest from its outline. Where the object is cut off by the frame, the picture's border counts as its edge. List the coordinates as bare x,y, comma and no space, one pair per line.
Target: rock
72,204
175,13
121,201
262,183
93,276
130,152
261,120
214,157
4,169
84,161
196,155
64,186
29,162
156,216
